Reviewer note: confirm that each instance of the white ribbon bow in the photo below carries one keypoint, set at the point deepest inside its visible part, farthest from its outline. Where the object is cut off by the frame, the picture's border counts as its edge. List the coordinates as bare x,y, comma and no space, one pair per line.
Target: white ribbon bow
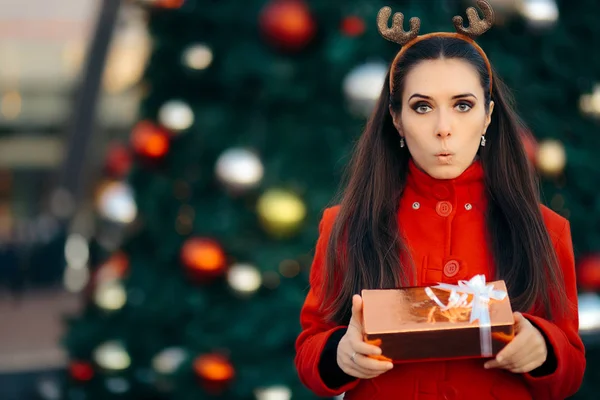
480,310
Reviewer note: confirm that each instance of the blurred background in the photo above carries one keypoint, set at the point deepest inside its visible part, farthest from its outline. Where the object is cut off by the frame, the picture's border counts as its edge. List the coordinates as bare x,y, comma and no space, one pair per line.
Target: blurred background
164,165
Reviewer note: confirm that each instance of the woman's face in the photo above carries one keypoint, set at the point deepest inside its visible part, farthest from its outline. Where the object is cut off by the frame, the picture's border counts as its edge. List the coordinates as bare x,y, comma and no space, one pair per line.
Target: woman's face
443,116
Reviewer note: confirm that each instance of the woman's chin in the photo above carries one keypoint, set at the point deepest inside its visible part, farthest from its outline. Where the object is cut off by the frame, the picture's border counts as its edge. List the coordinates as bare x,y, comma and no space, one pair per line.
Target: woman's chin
444,171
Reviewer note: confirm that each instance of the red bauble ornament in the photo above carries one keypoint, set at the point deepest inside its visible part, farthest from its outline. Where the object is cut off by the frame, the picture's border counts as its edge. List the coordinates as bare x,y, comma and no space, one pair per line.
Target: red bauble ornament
118,160
215,372
288,24
150,140
81,371
353,26
168,3
115,268
588,272
203,258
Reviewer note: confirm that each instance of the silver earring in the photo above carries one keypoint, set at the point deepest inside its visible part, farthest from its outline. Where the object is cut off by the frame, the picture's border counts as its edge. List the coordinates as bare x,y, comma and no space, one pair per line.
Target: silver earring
401,142
482,140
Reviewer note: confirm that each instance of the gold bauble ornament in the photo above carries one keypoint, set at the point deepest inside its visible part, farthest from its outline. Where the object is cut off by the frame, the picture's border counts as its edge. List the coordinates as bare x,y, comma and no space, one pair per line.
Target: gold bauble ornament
239,169
362,87
169,360
244,279
551,157
590,103
197,56
289,268
539,14
281,212
112,356
176,115
115,202
279,392
271,280
110,295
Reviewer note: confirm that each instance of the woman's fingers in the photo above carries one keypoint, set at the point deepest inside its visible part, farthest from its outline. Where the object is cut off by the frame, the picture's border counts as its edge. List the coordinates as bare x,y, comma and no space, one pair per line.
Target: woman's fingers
357,308
353,353
365,348
358,373
368,365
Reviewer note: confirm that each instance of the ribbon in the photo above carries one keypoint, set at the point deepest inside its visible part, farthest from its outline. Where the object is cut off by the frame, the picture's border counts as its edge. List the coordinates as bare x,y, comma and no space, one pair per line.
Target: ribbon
480,310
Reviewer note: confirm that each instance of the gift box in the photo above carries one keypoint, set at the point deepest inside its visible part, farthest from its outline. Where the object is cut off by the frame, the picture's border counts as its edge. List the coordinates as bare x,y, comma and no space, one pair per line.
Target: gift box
469,320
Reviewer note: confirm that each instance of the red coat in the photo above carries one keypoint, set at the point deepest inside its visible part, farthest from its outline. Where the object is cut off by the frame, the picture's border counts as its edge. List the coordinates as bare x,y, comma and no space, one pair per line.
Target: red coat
443,223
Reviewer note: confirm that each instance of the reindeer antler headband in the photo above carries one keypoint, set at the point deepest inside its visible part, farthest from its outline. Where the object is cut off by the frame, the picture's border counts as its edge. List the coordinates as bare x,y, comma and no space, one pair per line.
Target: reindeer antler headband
397,34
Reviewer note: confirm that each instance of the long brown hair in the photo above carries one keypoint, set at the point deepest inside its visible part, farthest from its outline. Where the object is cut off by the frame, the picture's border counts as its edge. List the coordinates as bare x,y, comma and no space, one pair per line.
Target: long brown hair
365,248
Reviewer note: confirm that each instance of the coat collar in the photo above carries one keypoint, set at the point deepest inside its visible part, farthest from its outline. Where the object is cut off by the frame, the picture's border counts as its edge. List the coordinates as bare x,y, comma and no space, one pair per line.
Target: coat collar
464,191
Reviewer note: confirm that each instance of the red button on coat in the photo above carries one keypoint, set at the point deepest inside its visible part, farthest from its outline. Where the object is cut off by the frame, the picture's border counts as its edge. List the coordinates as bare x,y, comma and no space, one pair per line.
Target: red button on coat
444,208
451,268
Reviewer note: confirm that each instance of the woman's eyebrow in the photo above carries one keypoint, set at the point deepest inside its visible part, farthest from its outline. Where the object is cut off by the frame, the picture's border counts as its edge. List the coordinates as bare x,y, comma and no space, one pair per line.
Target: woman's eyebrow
419,95
458,96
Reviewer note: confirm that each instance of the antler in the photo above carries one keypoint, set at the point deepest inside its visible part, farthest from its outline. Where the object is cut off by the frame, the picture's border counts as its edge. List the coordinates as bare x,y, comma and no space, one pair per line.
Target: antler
477,26
396,33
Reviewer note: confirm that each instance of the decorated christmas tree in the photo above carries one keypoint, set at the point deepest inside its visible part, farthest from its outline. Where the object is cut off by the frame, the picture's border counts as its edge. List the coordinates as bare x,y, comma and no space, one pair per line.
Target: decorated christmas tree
250,113
234,160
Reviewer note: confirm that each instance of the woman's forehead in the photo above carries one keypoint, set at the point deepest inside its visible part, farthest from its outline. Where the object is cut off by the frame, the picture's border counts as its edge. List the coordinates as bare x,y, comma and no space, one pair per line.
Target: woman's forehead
443,77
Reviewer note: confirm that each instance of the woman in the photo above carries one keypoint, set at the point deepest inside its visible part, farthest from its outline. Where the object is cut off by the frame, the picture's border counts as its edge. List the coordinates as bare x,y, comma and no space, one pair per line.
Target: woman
440,190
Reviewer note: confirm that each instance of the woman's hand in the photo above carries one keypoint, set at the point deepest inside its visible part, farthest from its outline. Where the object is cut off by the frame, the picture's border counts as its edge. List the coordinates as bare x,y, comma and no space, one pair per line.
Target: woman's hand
525,352
352,351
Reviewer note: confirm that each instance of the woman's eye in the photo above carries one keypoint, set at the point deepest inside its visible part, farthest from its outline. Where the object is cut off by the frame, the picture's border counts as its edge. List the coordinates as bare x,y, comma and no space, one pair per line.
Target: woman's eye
464,107
422,108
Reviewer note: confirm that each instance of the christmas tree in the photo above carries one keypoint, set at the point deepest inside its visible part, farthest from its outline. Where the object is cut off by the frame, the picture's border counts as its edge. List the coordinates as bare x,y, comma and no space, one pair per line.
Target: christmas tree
234,163
250,114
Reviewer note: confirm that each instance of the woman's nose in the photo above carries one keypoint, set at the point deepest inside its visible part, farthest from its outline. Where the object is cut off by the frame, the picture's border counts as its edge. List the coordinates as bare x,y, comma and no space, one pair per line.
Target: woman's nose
443,127
444,133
